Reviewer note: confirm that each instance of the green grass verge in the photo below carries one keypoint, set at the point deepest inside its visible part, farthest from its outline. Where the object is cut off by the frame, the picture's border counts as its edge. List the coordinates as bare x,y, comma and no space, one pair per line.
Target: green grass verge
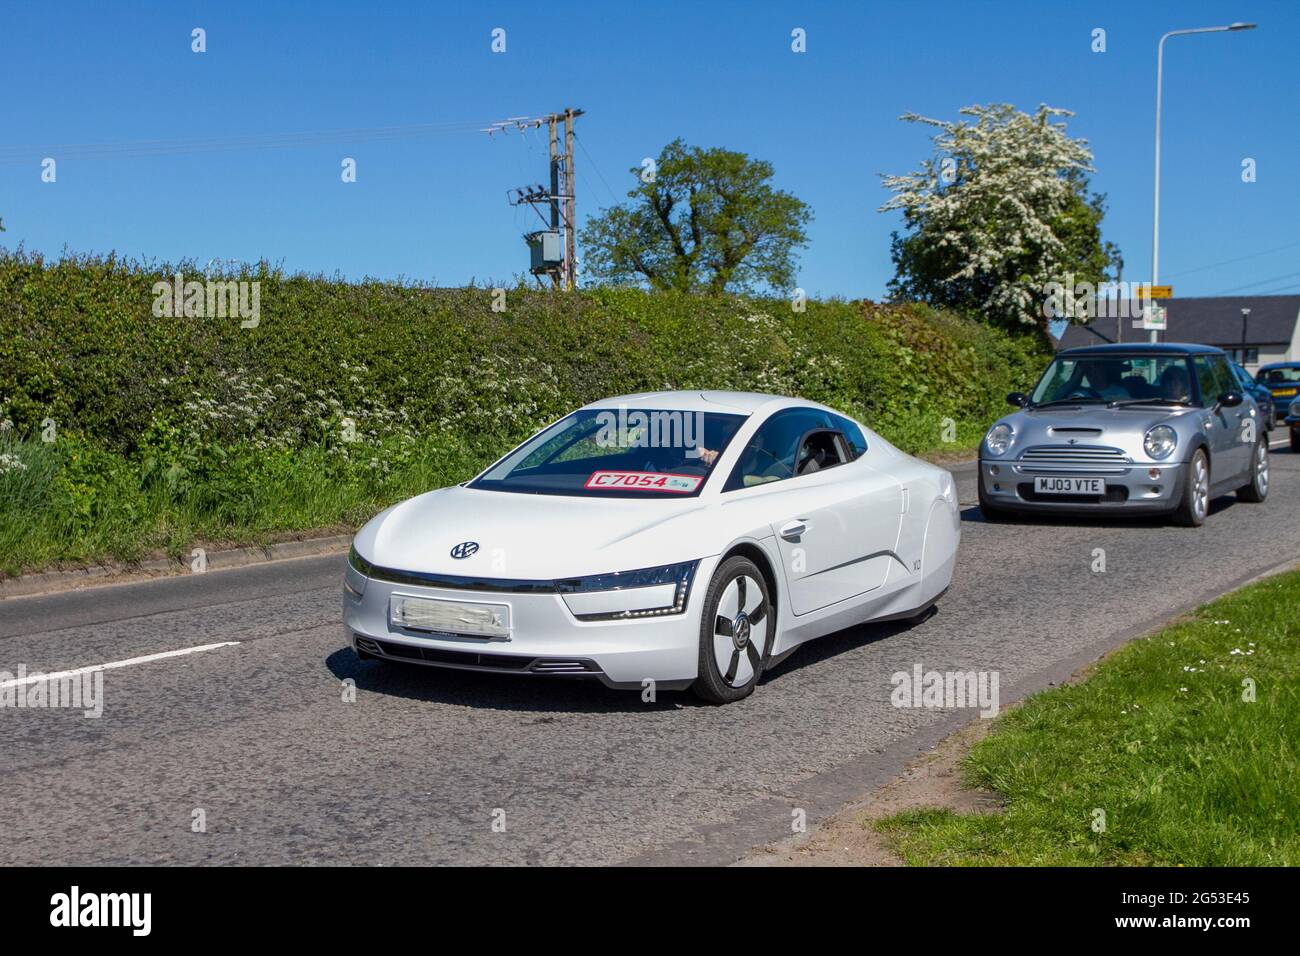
1161,739
68,502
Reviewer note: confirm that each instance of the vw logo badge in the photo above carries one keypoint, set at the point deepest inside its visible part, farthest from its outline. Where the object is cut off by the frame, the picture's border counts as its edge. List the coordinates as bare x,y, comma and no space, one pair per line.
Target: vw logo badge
464,549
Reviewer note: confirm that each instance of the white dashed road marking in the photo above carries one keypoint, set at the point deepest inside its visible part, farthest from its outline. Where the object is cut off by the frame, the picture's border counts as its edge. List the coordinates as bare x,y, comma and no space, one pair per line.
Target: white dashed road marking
61,675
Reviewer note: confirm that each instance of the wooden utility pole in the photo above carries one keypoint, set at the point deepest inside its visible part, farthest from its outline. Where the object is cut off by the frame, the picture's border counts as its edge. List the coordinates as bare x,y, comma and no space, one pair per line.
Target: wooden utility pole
570,200
560,197
552,121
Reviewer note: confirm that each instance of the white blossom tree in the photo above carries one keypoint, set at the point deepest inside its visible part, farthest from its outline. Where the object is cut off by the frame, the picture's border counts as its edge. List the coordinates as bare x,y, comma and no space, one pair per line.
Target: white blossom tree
997,213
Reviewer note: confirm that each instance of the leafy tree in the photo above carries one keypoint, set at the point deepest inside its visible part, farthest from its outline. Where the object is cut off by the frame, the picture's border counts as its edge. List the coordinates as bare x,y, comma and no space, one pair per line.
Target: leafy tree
701,219
1000,211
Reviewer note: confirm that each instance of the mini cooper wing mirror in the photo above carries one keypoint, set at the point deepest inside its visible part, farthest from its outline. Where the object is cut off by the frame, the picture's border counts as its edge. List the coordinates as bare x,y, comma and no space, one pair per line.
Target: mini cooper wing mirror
1230,399
1018,399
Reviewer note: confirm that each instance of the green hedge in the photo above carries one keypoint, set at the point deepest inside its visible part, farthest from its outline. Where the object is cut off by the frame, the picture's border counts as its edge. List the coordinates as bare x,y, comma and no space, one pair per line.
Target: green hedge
200,406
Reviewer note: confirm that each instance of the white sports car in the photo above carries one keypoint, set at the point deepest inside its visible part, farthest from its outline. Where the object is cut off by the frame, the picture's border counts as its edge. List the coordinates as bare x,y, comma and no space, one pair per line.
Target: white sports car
674,538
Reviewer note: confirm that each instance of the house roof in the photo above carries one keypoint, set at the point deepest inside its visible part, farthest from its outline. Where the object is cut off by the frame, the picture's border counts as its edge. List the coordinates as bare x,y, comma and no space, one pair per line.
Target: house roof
1213,320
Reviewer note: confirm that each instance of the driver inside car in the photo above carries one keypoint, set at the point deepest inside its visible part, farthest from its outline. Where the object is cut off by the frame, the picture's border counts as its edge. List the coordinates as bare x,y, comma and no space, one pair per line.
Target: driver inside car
1175,384
1104,381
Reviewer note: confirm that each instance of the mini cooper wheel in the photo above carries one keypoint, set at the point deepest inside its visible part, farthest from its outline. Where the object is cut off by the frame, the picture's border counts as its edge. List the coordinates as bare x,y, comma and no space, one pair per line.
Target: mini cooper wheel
1195,503
735,633
1257,488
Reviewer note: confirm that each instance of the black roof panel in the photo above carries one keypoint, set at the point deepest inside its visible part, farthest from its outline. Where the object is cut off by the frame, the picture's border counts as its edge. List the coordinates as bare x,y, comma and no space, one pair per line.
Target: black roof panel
1143,348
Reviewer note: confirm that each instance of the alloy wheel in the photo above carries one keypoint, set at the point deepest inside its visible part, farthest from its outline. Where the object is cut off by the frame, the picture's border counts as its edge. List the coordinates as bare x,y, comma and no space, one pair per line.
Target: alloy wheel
740,631
1200,487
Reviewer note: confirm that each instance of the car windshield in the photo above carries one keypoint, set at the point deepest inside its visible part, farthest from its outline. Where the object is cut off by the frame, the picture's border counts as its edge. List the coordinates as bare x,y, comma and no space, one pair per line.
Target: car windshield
617,453
1279,376
1115,378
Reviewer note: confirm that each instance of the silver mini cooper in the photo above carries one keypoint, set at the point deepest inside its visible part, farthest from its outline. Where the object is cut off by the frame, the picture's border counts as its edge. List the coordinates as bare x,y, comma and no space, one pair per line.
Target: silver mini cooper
1126,429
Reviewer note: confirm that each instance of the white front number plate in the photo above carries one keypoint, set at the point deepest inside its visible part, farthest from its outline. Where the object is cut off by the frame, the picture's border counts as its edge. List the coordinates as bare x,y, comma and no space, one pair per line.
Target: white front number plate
457,618
1069,486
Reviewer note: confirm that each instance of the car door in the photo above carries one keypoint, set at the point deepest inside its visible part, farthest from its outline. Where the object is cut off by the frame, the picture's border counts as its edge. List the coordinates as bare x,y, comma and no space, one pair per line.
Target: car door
1222,426
837,525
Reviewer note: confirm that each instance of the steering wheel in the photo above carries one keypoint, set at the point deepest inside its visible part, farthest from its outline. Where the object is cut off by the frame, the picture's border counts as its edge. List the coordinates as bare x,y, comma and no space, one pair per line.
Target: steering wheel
1083,391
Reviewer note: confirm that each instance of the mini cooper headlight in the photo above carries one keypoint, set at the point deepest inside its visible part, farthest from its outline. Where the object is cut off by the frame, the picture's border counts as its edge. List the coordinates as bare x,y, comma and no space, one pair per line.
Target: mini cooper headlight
647,592
1160,442
998,439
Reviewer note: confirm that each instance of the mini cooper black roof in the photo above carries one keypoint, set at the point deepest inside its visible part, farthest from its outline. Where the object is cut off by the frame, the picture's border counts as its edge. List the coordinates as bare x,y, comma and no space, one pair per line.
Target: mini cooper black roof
1143,348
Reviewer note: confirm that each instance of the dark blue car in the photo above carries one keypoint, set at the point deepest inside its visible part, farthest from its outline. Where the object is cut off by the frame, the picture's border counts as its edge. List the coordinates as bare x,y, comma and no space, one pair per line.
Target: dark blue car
1282,379
1269,412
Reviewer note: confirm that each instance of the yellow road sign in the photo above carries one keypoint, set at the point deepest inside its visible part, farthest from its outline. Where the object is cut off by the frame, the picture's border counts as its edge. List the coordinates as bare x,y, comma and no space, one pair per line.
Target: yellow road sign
1157,291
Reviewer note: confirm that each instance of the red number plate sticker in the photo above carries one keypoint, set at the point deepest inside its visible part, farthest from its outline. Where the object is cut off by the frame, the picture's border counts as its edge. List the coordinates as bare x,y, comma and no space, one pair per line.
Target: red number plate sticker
643,481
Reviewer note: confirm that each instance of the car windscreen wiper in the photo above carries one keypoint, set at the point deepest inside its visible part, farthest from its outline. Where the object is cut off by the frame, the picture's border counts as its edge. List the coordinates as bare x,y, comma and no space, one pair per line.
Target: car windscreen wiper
1071,401
1150,401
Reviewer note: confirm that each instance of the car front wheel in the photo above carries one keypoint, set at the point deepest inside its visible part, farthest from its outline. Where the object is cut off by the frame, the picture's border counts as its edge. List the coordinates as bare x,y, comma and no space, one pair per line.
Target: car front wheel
1195,503
1257,488
735,632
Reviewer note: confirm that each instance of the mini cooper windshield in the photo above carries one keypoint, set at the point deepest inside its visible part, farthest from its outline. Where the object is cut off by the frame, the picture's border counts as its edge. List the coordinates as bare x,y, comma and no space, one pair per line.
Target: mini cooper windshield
617,453
1103,379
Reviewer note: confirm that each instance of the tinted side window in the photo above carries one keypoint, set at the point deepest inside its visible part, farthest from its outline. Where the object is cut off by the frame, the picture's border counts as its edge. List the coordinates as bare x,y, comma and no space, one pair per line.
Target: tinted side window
1206,379
1214,377
770,454
1227,381
857,441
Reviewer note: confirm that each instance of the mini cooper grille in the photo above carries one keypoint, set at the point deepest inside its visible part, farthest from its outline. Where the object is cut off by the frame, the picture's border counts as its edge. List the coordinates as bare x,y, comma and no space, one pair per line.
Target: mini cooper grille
1074,455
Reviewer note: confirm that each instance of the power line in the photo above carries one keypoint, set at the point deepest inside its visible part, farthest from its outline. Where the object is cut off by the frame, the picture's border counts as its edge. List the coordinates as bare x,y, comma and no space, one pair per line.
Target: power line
1251,285
583,146
17,155
1286,288
1226,262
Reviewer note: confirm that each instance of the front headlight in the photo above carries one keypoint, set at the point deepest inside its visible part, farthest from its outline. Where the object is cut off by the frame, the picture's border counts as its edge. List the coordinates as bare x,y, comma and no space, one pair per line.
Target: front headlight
647,592
358,563
1160,442
356,574
1295,409
998,439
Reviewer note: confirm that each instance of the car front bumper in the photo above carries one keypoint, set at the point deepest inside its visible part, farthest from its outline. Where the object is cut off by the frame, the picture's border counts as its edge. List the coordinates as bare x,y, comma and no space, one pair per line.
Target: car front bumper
545,637
1130,489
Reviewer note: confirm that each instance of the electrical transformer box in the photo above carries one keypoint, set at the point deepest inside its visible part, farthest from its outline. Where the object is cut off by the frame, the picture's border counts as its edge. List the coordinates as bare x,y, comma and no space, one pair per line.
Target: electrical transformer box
544,251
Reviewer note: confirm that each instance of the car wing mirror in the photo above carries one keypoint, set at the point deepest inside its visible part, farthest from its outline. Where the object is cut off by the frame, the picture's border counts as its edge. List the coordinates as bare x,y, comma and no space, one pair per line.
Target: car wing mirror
1230,399
1018,399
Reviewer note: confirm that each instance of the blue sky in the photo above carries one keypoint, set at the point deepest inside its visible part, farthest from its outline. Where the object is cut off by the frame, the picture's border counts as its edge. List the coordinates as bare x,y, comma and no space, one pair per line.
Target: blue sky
717,74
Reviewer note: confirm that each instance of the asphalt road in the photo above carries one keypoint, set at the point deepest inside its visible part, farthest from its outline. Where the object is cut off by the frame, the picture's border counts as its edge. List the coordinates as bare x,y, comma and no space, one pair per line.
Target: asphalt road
258,736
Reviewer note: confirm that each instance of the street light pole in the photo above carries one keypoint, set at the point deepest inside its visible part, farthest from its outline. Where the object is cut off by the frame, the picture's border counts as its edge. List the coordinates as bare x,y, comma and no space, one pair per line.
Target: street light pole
1160,66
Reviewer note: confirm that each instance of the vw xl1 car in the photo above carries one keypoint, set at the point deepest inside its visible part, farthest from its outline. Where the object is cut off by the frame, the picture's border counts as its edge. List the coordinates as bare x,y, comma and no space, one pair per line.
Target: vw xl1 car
685,538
